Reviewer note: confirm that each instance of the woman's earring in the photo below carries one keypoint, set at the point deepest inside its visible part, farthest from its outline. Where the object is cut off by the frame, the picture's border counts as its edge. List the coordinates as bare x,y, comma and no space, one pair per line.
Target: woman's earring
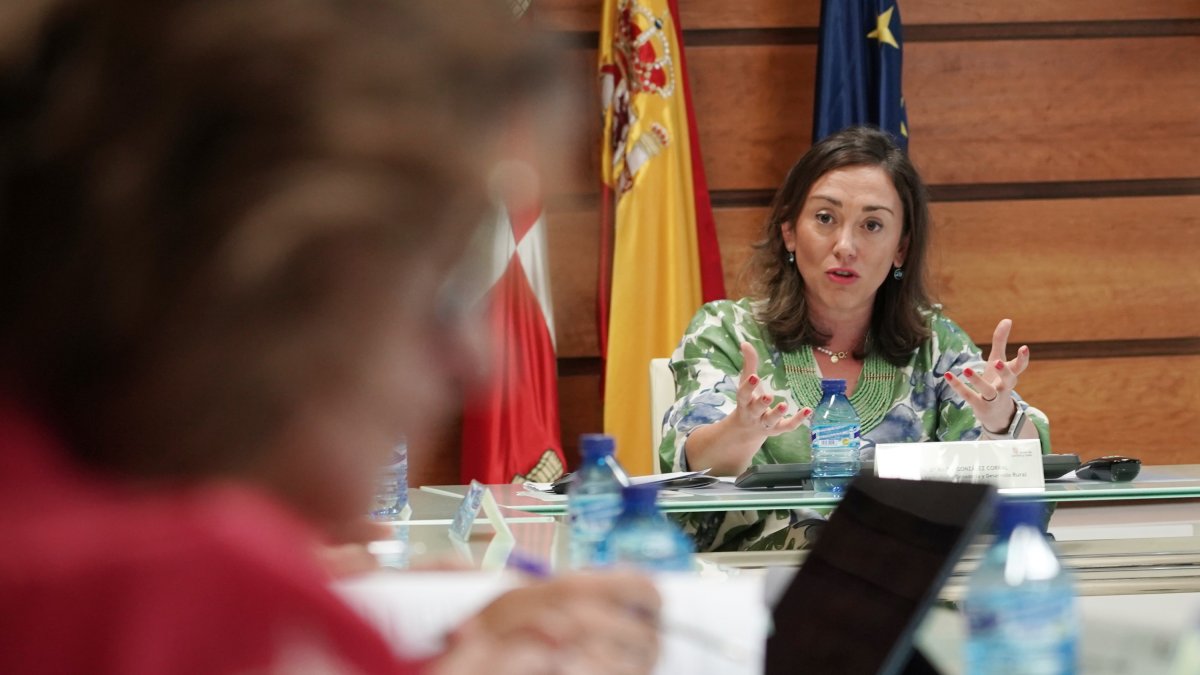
791,257
898,273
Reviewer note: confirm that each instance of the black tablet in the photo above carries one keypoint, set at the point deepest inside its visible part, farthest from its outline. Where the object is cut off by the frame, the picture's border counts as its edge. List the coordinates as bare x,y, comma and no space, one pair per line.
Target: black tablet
876,568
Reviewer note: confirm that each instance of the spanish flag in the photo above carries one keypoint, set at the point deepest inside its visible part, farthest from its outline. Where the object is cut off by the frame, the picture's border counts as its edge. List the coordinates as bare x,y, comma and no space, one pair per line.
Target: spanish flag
660,259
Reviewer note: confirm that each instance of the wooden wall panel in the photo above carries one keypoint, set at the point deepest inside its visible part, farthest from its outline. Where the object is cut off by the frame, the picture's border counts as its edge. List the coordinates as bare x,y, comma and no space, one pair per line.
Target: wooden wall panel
584,15
1145,407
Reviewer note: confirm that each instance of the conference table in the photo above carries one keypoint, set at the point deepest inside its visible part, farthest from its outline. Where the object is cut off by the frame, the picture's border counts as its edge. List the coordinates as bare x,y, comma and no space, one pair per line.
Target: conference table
1133,547
1153,482
1153,549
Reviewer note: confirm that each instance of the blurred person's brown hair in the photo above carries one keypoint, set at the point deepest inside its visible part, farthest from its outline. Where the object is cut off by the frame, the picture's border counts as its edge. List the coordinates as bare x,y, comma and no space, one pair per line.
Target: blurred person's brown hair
211,209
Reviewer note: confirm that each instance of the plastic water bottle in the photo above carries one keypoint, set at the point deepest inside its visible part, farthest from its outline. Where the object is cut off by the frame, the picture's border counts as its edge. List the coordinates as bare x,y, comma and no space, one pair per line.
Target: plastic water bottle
391,493
643,538
594,501
1020,602
836,435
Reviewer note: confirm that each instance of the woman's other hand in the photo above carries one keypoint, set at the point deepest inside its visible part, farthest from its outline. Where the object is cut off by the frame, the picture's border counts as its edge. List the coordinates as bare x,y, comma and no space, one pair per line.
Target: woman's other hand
990,392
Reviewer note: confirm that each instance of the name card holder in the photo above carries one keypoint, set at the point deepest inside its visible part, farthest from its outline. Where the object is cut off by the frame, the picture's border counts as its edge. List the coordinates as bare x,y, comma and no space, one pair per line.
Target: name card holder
1005,463
464,518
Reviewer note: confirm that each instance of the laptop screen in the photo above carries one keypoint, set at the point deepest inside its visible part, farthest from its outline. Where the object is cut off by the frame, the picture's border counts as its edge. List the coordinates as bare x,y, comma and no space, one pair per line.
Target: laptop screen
875,569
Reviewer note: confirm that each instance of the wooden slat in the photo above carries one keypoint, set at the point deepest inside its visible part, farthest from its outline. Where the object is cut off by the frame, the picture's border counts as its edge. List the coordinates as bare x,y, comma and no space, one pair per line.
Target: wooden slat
1056,110
971,11
1053,110
573,239
754,111
1101,269
584,15
1063,270
1145,407
581,411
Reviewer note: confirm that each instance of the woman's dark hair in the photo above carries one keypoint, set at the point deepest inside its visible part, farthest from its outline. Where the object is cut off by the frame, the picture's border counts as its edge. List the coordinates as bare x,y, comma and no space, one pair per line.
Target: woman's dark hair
897,322
200,198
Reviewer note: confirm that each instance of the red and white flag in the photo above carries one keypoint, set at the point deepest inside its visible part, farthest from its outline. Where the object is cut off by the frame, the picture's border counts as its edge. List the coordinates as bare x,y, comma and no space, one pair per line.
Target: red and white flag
510,425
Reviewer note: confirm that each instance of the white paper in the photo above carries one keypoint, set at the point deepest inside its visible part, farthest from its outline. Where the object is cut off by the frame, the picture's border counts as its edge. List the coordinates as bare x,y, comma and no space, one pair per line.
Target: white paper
711,625
1006,463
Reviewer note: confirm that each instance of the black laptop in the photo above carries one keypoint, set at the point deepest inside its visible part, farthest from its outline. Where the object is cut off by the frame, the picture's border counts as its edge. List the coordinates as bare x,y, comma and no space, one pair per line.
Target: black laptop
876,568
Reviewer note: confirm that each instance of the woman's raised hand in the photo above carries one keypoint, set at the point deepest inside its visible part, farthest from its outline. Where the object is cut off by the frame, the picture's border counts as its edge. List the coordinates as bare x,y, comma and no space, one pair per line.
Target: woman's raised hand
989,392
754,410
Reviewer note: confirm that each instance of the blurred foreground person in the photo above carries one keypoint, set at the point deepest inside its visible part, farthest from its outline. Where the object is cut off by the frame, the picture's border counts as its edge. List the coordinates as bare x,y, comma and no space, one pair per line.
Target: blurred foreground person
228,232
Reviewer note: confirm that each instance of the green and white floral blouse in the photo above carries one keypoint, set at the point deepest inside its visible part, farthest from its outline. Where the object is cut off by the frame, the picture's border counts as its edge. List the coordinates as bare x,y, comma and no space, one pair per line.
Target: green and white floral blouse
908,404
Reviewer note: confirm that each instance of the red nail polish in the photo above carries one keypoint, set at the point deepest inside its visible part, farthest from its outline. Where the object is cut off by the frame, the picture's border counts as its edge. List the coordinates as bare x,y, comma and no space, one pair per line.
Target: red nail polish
766,399
753,380
949,375
782,407
968,372
999,365
806,412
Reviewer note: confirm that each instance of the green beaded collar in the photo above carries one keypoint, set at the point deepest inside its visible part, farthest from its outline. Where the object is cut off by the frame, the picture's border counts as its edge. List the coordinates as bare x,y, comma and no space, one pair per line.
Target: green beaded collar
872,398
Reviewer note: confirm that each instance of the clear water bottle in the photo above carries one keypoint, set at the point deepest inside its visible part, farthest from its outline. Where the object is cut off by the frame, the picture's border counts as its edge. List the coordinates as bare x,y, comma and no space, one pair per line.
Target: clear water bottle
643,538
1020,602
391,492
594,501
836,435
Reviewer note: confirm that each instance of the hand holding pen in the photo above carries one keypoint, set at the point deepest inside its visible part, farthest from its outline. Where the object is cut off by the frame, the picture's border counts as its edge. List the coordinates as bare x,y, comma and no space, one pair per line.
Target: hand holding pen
598,622
697,635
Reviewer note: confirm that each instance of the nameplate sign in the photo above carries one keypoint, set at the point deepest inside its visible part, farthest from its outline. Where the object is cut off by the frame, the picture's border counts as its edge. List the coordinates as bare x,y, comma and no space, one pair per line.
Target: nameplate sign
464,518
1004,463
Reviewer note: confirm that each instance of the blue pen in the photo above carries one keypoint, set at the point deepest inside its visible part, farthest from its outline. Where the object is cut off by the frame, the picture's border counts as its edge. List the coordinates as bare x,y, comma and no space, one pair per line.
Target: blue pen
527,564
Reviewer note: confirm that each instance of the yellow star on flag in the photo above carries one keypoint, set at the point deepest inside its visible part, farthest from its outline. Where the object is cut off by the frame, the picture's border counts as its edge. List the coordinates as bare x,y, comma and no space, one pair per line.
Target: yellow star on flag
882,31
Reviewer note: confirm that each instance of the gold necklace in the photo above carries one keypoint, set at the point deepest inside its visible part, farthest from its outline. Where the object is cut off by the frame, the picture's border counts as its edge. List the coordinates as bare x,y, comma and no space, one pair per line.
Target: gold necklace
834,357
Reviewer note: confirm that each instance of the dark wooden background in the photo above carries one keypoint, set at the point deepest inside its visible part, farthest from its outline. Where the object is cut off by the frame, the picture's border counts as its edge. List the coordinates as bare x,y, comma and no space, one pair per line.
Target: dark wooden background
1062,144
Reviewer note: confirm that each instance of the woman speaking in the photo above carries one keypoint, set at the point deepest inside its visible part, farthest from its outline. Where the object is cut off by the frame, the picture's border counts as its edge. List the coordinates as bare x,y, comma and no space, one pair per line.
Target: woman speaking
839,293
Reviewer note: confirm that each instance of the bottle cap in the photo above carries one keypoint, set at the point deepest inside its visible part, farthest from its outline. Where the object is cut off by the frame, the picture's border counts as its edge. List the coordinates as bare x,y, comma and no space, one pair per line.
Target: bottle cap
639,498
596,445
833,386
1012,514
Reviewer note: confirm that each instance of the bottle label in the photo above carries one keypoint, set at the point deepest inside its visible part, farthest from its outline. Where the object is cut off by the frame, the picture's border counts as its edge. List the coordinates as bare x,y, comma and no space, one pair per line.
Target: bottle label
592,516
835,437
1020,631
591,519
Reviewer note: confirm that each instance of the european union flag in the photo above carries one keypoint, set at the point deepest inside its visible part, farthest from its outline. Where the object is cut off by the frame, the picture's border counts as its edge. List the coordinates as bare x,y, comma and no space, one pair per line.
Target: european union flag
858,68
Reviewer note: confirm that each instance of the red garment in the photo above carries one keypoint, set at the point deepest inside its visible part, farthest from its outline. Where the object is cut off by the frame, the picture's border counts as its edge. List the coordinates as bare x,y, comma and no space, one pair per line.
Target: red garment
102,577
